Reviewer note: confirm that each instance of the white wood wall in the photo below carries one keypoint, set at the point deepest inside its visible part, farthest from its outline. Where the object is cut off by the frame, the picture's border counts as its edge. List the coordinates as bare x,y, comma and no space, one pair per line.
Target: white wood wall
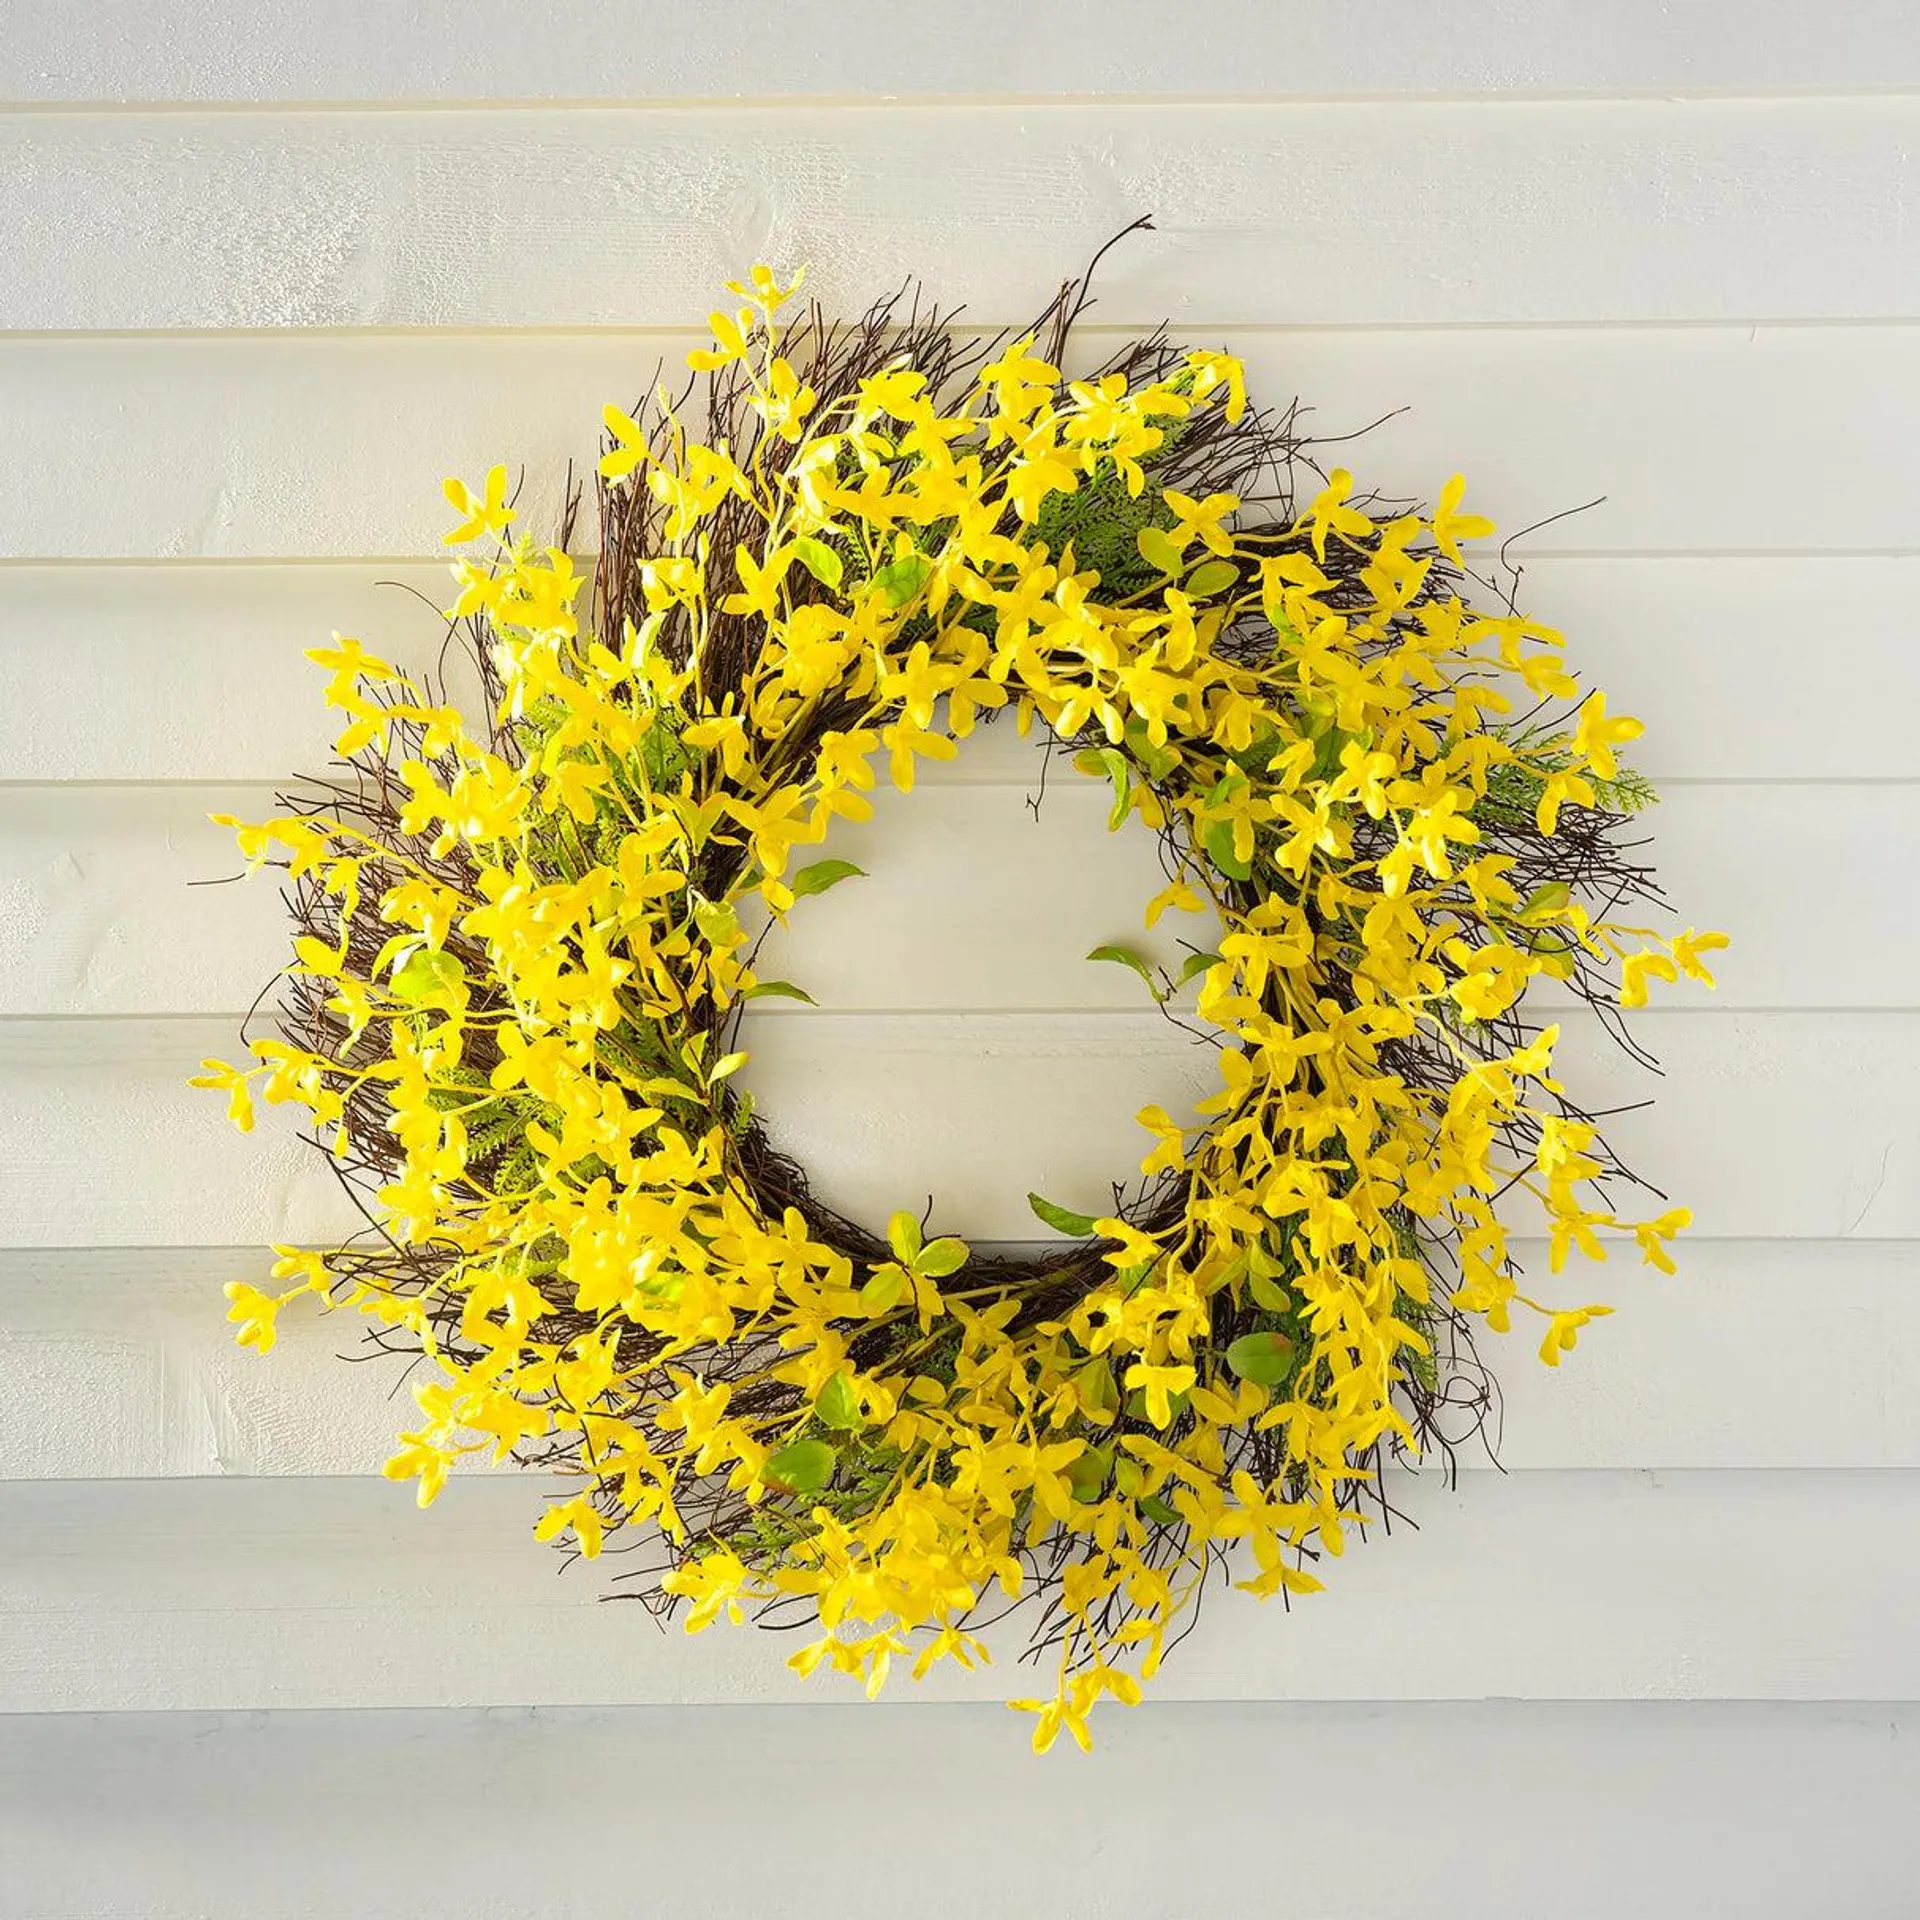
267,271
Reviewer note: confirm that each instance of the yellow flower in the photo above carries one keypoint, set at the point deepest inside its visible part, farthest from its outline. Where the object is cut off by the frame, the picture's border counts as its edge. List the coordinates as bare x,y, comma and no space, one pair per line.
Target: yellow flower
1563,1331
1217,371
1687,949
1654,1234
1051,1716
576,1516
785,404
1170,1155
1329,513
1558,788
234,1082
1159,1387
903,741
254,1313
1201,520
1637,969
629,448
1179,895
423,1456
486,512
1451,526
1596,736
572,784
730,341
728,732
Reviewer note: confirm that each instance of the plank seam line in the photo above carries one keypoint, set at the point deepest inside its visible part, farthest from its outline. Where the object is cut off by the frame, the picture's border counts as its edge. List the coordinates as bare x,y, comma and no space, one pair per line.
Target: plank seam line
263,562
681,332
943,782
1572,1008
882,104
11,1251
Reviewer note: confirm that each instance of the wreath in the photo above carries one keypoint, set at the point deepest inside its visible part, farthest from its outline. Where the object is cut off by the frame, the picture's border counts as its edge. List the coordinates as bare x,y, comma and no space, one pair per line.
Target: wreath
527,925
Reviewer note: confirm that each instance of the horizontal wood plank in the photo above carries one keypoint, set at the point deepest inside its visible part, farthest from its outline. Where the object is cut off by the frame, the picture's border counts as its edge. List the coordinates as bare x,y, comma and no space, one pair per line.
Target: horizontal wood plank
976,896
1791,1125
116,1363
1701,439
177,1595
1768,1125
136,1814
440,50
225,695
1728,210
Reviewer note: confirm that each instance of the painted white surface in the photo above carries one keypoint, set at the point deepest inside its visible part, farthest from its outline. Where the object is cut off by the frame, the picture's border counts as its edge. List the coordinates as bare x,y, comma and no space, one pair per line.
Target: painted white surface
1337,213
94,881
1687,1375
1579,1811
225,696
1789,1125
1537,1586
1695,440
271,270
237,51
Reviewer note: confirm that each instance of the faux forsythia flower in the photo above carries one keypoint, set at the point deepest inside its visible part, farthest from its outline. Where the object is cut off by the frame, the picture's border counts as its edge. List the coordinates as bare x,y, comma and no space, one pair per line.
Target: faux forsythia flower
528,943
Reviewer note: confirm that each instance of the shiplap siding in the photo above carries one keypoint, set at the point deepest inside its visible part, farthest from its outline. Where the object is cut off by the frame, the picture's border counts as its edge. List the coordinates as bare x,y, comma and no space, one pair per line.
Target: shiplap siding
335,1808
1339,213
432,52
271,270
1697,440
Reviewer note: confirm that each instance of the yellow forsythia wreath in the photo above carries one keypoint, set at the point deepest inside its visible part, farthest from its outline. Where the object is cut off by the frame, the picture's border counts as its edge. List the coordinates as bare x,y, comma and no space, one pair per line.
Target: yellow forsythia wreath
526,939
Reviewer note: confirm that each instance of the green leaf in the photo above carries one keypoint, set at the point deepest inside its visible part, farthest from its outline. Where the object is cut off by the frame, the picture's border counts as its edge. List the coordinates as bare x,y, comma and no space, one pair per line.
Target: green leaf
1157,1509
901,579
1088,1474
1216,842
818,875
1096,1387
1319,711
1264,1358
1062,1219
1198,963
1158,761
1268,1293
903,1236
1556,955
1259,754
728,1063
1327,749
838,1405
1543,902
804,1467
664,755
1126,957
778,990
719,924
1210,577
428,972
1112,762
820,560
1263,1261
884,1291
941,1257
1158,550
1216,835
